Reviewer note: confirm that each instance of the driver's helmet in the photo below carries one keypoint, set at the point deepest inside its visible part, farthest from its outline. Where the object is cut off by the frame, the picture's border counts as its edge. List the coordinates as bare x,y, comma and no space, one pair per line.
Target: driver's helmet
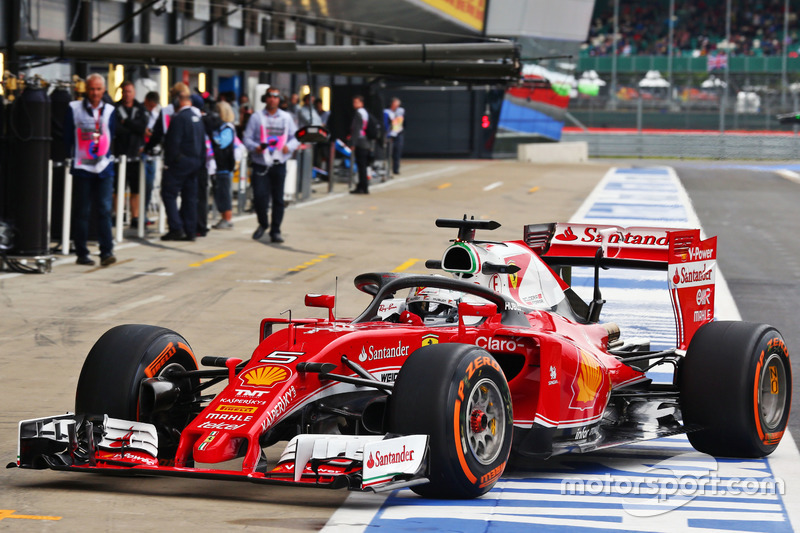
434,306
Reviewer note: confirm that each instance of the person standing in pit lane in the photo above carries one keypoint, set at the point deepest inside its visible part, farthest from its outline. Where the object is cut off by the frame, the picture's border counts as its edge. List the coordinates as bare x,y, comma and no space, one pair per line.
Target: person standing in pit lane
222,132
88,132
360,143
130,123
152,110
184,154
269,137
394,117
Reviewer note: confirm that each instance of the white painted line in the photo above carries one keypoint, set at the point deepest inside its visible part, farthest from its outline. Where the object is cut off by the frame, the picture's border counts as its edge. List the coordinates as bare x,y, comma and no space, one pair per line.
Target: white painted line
128,307
494,185
790,175
385,185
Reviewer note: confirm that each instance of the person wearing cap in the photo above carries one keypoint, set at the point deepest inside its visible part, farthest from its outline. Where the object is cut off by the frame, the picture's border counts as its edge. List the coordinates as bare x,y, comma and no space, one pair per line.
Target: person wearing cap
184,154
269,137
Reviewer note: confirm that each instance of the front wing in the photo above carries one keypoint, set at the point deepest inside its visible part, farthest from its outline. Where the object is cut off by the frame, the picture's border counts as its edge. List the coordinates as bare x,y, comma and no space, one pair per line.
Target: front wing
122,447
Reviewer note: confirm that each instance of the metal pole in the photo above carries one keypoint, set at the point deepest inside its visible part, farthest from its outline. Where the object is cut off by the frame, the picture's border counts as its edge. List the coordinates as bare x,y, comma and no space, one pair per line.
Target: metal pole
49,200
142,195
614,56
162,213
66,216
727,67
670,51
242,195
123,162
784,81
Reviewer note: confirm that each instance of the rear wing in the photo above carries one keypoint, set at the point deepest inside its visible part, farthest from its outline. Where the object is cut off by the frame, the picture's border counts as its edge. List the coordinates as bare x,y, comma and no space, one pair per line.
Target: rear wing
689,261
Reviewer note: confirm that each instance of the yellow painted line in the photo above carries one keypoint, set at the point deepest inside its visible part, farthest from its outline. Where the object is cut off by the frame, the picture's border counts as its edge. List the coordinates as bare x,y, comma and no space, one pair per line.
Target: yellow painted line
223,255
444,186
533,189
408,264
310,263
7,513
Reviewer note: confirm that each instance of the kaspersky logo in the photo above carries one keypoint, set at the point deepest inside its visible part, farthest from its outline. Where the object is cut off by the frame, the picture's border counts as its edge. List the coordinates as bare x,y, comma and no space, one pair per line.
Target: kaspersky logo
265,376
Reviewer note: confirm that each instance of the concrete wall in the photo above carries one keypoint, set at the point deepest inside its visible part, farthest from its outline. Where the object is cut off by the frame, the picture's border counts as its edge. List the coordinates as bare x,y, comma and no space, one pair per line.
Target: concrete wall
562,152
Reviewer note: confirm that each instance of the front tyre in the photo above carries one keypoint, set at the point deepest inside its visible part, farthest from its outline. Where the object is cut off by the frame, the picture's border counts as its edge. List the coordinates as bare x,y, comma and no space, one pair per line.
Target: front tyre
112,374
736,387
457,394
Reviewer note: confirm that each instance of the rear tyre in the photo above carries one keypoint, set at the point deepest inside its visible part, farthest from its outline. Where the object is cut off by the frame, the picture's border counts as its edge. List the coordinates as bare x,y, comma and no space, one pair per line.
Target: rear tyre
115,367
736,387
457,394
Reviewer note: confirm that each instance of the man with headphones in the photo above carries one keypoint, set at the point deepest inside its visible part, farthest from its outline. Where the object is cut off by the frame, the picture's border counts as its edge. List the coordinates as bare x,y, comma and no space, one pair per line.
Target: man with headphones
88,132
269,137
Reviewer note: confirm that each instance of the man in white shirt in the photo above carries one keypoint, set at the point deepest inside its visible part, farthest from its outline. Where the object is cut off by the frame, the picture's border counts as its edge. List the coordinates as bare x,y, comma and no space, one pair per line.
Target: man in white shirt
393,117
269,137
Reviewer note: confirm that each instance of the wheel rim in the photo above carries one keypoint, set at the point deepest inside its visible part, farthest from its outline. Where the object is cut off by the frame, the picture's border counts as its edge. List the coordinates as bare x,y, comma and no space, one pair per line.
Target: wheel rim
772,392
170,423
487,422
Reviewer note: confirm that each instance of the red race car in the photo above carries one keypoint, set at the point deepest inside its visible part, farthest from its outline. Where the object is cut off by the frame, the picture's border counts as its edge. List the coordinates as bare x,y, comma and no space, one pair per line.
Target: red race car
438,380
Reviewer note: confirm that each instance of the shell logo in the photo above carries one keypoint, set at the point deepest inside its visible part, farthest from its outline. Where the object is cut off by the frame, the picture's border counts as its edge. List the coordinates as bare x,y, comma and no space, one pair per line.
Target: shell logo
588,382
265,376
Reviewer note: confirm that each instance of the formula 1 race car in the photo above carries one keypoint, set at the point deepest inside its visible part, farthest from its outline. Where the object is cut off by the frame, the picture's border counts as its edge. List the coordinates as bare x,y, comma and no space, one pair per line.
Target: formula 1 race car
438,380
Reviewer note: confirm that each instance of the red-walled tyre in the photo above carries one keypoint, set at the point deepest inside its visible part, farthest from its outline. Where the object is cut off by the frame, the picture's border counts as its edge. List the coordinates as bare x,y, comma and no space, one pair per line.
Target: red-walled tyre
457,394
113,371
736,389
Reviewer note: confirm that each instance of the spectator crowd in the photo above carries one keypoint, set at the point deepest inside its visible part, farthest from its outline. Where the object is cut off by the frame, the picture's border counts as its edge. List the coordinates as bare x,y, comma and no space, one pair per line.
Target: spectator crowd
699,28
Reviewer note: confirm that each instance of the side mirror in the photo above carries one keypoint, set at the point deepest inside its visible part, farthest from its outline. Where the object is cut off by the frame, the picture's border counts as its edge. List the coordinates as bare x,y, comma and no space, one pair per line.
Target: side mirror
324,301
313,134
467,309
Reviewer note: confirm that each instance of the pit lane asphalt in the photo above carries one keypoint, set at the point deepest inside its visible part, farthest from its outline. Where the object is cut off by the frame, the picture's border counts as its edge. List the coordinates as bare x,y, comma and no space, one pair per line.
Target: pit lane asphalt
756,215
215,292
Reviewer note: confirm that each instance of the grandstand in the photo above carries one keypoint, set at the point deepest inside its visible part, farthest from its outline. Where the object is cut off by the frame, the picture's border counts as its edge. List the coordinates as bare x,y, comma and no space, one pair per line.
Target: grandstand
757,28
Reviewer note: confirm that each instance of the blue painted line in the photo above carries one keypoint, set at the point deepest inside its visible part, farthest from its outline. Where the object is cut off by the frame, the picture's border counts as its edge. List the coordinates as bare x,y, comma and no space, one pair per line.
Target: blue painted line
619,283
648,171
739,525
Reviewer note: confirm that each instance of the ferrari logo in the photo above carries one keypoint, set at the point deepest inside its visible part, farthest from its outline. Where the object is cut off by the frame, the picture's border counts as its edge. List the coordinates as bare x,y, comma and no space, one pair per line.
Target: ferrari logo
427,340
588,381
513,279
265,376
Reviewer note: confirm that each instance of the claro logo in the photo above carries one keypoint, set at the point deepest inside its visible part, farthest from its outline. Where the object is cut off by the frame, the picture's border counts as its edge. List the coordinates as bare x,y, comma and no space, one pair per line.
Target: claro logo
497,345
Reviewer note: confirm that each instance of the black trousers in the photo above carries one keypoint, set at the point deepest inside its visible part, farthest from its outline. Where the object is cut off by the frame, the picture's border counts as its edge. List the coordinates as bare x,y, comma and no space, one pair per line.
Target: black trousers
268,185
362,162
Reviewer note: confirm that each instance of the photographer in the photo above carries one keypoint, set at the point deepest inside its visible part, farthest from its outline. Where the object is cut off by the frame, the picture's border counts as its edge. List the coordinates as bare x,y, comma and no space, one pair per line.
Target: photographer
269,137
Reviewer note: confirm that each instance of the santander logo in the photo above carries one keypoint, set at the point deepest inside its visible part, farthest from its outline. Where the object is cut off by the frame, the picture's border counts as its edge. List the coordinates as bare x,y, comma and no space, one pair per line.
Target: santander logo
568,235
370,462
